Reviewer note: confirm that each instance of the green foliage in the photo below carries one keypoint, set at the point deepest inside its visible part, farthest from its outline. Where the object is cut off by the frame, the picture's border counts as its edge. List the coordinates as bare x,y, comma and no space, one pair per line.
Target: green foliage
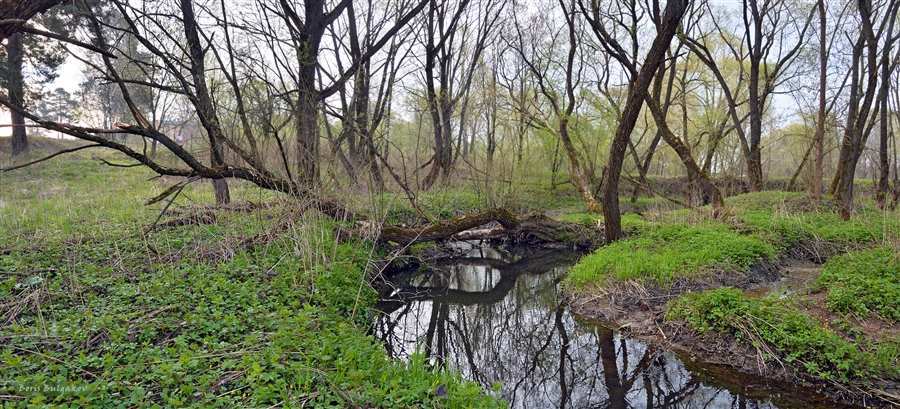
587,220
786,219
662,251
864,283
185,317
778,326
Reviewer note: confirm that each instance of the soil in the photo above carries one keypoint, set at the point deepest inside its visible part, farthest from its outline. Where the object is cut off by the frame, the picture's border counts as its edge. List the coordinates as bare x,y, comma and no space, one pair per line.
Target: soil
639,310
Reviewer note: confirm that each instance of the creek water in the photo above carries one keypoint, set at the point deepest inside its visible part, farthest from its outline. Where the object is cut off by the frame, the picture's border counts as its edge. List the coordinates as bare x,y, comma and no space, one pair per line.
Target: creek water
495,315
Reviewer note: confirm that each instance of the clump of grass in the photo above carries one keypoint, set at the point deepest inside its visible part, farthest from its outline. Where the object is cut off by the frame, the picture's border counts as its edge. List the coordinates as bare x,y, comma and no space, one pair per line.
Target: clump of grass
664,251
864,283
778,327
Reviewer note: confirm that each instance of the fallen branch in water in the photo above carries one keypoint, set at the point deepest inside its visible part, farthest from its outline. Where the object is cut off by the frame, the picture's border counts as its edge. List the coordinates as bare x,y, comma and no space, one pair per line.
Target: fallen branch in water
529,228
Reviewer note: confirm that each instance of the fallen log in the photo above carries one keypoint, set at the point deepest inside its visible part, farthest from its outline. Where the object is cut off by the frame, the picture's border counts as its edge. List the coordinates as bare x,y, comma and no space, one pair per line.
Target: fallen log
490,224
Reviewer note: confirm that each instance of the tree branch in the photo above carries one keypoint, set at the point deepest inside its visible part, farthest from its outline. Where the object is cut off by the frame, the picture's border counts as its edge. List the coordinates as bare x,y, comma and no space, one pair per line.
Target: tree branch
32,30
64,151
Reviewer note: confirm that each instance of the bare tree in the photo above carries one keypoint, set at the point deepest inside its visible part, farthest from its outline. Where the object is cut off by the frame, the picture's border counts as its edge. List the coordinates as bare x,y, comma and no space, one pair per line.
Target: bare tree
765,45
815,189
365,102
456,34
202,57
562,101
865,94
666,24
888,66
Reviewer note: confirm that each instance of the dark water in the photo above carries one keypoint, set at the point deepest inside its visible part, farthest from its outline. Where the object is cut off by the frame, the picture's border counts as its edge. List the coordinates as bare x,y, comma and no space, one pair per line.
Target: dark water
496,316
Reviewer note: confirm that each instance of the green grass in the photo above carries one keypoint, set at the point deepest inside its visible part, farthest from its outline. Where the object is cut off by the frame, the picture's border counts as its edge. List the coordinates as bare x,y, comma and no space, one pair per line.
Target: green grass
864,283
788,219
187,316
791,336
766,225
763,226
663,250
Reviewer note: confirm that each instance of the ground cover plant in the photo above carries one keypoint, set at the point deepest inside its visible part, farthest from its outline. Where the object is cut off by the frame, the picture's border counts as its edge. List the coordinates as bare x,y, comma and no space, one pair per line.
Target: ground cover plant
789,219
786,333
864,283
839,328
259,307
663,250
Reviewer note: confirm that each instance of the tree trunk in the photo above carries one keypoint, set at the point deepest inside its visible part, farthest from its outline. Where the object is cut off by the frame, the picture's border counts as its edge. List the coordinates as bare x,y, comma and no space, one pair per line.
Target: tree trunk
610,195
21,10
203,101
443,139
883,164
815,189
797,172
695,174
308,33
754,162
220,188
307,120
579,178
657,92
14,51
857,131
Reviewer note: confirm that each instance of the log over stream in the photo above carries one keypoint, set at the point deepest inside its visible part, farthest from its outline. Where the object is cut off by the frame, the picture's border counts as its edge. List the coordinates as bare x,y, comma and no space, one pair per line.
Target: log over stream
490,224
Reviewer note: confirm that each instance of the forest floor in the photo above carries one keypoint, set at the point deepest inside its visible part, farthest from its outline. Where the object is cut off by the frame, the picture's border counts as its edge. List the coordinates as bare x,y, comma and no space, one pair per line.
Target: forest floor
781,287
257,304
250,305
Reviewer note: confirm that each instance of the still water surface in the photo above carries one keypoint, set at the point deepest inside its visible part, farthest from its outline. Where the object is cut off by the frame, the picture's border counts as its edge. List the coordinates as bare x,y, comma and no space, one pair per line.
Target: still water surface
496,316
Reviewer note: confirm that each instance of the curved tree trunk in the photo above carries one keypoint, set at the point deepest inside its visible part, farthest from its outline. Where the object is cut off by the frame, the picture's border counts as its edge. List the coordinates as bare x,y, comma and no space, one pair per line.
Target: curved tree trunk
694,171
610,195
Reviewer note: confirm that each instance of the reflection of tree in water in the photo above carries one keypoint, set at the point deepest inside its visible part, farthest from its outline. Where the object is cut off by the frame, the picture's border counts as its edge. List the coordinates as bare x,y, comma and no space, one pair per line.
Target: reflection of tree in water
497,317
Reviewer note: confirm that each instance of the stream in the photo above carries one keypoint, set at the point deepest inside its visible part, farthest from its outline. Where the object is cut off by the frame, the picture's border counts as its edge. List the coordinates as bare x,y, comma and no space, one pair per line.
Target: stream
495,316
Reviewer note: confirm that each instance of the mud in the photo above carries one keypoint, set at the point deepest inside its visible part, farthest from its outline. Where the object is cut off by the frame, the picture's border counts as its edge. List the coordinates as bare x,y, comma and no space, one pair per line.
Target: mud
639,310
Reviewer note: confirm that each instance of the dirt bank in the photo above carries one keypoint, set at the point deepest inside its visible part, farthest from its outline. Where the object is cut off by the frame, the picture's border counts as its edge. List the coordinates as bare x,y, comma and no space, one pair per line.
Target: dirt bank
639,310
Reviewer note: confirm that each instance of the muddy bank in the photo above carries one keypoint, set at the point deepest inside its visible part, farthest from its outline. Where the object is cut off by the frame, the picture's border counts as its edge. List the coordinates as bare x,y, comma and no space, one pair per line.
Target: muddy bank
639,310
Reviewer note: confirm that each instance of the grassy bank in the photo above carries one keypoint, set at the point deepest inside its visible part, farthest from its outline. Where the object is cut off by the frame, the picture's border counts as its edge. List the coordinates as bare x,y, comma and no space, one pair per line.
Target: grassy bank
249,307
842,328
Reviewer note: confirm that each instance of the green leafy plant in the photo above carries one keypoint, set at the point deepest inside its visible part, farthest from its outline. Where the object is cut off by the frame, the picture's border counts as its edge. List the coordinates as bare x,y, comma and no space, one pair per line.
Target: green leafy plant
794,336
864,283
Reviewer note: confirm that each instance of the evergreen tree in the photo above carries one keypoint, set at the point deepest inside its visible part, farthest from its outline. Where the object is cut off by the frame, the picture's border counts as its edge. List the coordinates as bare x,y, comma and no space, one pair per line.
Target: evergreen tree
27,62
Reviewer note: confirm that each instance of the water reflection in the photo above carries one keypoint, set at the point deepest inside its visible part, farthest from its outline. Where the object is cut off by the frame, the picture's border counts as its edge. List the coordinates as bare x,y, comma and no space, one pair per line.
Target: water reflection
496,316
